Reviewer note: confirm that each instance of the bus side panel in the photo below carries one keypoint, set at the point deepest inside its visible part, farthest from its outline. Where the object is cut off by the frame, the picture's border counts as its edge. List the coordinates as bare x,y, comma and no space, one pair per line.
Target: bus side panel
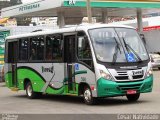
45,77
84,75
26,74
8,75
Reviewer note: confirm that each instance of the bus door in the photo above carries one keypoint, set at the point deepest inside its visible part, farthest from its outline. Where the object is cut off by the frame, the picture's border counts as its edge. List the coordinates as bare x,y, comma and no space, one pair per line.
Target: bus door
69,59
12,60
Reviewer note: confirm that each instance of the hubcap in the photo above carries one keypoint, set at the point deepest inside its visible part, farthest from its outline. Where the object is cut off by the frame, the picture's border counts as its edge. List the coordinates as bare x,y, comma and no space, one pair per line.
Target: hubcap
87,95
29,90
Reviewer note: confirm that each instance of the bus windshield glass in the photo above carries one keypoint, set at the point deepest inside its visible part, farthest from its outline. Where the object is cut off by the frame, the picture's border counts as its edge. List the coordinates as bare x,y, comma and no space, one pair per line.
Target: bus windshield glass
114,44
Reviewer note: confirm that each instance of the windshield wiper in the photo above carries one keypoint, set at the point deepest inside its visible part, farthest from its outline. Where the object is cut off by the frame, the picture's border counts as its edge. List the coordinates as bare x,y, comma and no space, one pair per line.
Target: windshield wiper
117,47
128,47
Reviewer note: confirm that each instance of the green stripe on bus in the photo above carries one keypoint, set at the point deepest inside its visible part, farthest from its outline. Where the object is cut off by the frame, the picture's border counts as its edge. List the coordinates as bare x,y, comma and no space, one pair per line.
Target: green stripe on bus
37,81
80,72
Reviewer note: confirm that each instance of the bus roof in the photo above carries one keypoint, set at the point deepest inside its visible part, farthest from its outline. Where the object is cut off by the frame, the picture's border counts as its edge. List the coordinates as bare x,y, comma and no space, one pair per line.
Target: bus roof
67,29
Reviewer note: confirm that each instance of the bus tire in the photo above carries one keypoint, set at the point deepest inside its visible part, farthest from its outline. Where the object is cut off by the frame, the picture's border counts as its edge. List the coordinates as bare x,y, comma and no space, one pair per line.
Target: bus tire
30,93
87,96
133,98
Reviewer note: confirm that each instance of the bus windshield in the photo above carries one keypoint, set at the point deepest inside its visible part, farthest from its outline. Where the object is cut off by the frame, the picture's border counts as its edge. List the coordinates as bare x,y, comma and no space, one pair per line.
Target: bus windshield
114,44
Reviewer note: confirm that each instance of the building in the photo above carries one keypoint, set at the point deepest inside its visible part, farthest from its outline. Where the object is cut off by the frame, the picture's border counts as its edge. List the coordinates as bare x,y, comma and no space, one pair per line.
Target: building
25,21
73,11
7,3
4,3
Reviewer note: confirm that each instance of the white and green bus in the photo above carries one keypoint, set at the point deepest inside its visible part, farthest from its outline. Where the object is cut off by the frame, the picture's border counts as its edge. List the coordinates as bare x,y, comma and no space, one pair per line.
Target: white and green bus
93,61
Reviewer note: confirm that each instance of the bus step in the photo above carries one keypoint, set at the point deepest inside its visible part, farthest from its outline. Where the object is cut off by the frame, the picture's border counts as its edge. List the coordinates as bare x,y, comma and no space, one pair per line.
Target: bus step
69,94
72,92
14,89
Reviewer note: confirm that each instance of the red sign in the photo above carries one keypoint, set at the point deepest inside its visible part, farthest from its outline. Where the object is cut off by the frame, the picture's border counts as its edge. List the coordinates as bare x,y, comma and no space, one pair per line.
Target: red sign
151,28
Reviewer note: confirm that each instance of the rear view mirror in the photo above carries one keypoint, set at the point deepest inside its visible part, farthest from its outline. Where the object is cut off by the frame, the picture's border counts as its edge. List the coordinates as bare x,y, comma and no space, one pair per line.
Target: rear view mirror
143,38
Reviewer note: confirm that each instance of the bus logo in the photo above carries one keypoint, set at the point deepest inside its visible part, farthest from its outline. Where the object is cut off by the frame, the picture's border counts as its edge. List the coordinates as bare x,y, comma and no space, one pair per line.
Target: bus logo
130,77
50,69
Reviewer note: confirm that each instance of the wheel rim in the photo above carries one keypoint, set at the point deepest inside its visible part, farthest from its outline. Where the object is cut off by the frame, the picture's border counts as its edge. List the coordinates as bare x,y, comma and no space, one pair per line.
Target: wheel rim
29,90
87,95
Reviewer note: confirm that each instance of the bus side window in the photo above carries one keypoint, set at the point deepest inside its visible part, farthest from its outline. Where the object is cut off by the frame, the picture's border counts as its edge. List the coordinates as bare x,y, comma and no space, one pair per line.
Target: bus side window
37,48
23,49
83,50
54,48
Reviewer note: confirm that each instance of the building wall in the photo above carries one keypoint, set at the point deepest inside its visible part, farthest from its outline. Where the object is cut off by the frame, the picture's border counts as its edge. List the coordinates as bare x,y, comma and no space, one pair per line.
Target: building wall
152,43
4,3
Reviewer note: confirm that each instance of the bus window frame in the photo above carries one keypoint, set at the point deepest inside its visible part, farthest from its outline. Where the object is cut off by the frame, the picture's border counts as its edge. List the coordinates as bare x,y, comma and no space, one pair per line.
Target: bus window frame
117,65
52,61
44,59
62,39
69,34
77,58
23,61
36,61
7,50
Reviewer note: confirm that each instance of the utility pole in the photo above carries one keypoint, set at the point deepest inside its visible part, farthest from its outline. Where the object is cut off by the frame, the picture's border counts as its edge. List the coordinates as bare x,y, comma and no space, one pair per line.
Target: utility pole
89,12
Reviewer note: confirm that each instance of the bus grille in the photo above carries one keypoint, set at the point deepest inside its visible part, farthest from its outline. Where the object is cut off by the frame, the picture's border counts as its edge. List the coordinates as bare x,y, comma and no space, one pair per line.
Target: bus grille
123,76
137,76
130,87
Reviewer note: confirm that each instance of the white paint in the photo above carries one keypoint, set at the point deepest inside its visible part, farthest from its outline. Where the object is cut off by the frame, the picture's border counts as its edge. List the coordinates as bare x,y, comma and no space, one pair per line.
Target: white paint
84,27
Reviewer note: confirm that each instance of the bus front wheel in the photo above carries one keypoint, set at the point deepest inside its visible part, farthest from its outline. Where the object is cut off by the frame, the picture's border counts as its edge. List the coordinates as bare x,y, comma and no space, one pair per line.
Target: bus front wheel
30,93
87,96
133,97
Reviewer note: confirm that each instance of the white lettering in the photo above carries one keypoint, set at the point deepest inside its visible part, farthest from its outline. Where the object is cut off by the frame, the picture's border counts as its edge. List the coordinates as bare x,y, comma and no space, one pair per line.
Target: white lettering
72,2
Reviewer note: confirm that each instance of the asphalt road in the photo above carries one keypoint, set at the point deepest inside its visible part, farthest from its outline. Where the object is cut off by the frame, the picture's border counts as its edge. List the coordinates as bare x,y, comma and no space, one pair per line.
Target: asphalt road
18,103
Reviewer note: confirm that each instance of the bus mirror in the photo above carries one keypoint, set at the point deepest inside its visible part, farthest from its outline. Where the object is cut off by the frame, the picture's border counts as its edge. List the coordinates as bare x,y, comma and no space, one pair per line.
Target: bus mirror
85,37
143,38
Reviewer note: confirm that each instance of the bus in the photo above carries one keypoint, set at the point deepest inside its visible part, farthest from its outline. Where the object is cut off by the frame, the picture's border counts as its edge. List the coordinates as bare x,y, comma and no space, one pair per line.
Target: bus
92,61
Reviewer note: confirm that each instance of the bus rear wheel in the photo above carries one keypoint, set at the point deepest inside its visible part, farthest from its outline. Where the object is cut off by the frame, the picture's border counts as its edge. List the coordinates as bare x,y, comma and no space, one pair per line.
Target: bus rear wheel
133,98
87,96
30,93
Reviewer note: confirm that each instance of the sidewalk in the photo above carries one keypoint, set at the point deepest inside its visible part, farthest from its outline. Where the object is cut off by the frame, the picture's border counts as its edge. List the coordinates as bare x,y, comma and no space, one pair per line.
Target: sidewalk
2,84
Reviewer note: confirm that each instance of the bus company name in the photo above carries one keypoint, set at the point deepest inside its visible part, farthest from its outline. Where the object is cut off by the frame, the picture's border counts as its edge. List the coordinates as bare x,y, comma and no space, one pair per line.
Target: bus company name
29,7
50,69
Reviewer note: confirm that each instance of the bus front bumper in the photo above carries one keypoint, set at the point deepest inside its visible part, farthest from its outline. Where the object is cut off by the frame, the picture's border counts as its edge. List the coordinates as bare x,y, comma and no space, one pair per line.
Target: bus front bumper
108,88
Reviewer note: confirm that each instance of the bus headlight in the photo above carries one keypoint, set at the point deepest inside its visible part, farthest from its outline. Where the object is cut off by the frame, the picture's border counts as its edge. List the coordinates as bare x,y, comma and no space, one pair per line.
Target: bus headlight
106,75
149,73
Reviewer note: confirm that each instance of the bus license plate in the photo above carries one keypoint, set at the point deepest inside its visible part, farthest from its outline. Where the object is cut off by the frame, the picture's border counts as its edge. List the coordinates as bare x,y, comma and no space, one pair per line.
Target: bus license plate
138,72
130,92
